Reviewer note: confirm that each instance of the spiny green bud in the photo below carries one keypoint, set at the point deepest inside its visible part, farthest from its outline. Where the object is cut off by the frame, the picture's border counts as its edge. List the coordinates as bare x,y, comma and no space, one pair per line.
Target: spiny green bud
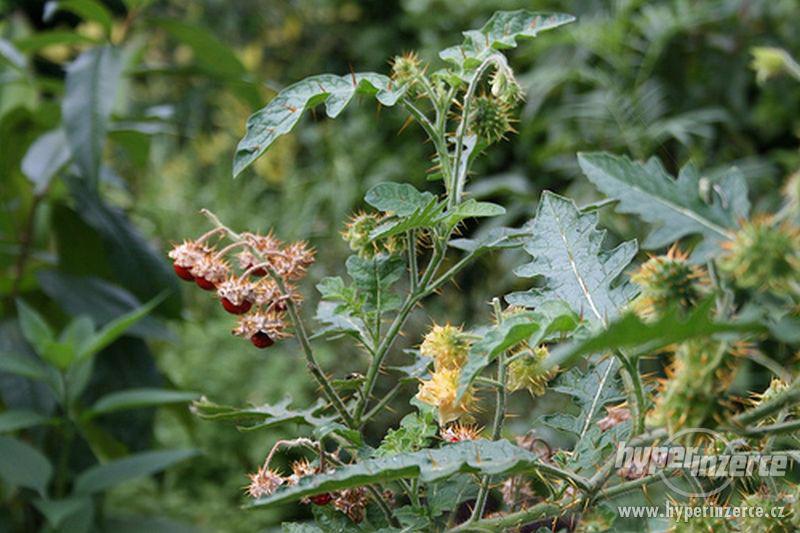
357,232
527,371
701,370
490,118
505,86
769,523
447,345
763,255
666,280
406,68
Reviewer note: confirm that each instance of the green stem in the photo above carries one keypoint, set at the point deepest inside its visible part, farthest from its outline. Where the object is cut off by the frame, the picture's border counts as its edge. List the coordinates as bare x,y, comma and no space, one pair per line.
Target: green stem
499,416
511,521
413,270
382,403
633,384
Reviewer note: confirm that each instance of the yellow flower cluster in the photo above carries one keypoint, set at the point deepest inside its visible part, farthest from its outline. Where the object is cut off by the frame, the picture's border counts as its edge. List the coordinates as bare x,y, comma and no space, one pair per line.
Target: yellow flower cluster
448,346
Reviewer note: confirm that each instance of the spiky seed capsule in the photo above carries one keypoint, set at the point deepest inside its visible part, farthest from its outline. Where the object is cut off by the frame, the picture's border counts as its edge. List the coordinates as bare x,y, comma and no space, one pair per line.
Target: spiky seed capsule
184,256
406,68
236,295
352,502
447,345
264,482
700,371
616,414
785,523
263,328
357,231
209,271
527,371
490,118
440,392
460,432
668,280
763,255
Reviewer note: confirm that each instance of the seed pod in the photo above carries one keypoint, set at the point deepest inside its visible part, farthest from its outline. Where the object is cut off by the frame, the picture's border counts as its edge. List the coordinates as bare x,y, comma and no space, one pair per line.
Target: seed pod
490,119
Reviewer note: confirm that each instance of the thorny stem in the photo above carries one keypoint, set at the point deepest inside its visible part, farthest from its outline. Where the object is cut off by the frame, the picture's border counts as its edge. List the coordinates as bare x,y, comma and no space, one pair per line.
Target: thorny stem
382,403
510,521
302,336
633,383
459,174
411,247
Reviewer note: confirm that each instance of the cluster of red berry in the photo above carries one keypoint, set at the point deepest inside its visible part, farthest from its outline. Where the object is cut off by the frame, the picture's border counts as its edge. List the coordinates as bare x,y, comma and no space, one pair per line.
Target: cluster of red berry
259,290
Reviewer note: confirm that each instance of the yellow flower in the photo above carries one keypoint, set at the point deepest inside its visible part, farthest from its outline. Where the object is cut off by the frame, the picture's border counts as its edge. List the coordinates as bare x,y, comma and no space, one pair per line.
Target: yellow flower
447,345
440,392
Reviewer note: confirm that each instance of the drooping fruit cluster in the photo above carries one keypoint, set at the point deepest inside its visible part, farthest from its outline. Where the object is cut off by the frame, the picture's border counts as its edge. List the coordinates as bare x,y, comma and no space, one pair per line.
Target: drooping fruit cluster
666,281
258,290
448,346
357,235
763,255
700,372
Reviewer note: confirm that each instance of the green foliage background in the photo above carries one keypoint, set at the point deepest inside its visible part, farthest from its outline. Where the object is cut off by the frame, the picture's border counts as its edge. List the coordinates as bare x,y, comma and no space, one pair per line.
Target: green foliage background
667,78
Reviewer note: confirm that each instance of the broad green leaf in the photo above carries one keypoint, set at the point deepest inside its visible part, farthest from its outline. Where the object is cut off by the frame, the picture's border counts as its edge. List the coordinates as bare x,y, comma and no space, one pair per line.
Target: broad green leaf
422,217
22,465
46,156
567,252
138,399
90,90
59,511
472,209
501,31
86,9
339,320
103,444
480,457
261,417
21,365
283,111
117,327
530,326
102,477
494,239
635,336
673,206
42,39
58,353
36,331
16,419
374,277
399,199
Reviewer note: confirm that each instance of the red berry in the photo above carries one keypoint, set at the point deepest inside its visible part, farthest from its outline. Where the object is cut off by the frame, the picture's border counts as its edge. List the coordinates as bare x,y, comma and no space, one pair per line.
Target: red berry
261,340
204,284
321,499
234,309
183,272
259,272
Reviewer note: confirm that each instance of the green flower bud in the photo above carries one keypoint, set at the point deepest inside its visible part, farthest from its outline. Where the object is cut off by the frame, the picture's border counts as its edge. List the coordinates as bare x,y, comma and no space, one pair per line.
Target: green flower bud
490,118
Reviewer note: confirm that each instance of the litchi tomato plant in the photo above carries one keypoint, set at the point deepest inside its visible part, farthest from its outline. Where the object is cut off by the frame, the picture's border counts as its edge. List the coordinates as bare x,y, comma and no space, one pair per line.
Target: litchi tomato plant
633,346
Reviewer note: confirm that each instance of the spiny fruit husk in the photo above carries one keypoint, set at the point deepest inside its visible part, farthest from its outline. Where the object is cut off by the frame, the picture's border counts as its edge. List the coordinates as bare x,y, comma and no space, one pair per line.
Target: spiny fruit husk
440,392
700,372
447,345
526,371
763,255
788,523
357,232
667,280
490,118
406,68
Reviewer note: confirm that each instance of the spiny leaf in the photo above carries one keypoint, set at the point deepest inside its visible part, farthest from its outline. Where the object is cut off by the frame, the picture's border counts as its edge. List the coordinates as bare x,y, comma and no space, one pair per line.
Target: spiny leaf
423,217
493,239
480,456
636,336
263,416
501,31
282,113
530,326
673,206
567,250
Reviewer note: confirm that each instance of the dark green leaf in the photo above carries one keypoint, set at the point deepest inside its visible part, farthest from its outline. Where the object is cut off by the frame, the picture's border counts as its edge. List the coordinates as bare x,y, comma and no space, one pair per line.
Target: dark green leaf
495,238
102,477
261,417
567,251
86,9
138,399
46,156
90,90
283,112
117,327
37,332
20,419
21,365
472,209
423,217
43,39
22,465
214,56
673,206
415,432
58,511
400,199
